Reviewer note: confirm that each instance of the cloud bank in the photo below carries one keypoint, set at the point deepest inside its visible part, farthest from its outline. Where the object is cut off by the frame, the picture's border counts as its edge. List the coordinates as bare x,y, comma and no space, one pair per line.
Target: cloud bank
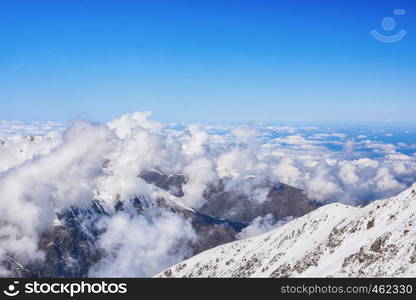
48,171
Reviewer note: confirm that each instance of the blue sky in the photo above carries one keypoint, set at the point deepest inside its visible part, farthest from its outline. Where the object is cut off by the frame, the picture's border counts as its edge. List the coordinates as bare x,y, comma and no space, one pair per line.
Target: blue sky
206,60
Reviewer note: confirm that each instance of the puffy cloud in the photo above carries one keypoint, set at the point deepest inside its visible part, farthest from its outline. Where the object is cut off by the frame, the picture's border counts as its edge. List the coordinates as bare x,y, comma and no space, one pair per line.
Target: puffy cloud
366,162
234,163
126,124
194,141
32,192
322,185
379,147
136,246
261,225
288,172
348,173
386,182
200,173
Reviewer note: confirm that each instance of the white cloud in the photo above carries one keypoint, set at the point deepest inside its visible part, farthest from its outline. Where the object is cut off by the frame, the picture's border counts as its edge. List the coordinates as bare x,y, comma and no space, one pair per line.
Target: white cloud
348,173
32,192
288,129
261,225
139,247
328,135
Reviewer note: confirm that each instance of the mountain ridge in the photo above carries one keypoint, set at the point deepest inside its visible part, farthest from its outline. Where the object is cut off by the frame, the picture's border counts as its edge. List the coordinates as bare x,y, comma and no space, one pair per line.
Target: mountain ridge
336,240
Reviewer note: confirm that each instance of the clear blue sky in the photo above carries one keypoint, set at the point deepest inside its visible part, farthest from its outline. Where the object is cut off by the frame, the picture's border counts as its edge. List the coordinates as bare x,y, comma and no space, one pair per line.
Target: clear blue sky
213,60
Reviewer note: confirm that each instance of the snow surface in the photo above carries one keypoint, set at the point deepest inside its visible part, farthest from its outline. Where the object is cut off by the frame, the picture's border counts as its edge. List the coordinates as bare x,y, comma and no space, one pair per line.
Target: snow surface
378,240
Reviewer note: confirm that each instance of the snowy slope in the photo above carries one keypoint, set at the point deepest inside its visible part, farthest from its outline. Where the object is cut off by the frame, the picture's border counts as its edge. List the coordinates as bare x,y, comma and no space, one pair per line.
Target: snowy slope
336,240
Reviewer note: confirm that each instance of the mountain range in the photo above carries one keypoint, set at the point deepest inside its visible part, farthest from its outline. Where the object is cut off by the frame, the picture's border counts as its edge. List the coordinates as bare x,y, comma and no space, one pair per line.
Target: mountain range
71,245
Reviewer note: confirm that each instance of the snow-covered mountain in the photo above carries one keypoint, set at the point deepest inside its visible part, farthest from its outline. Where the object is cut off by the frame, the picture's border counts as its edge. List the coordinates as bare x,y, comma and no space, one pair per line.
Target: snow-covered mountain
378,240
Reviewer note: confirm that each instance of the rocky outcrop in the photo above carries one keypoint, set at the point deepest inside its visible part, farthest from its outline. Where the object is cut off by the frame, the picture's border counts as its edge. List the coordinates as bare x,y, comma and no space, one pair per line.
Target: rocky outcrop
236,205
282,201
